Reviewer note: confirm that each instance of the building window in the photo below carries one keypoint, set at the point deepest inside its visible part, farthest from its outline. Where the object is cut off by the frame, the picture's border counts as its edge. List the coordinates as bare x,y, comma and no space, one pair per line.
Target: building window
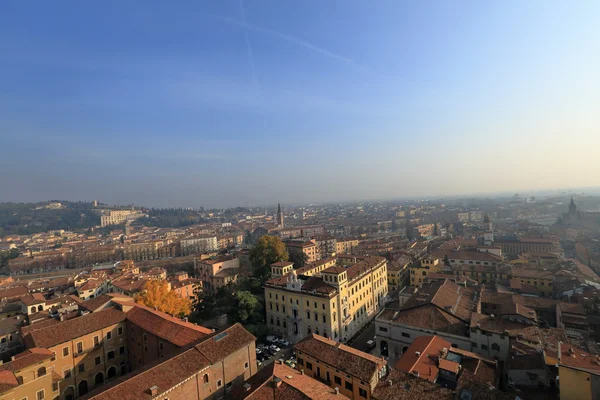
110,355
97,361
484,347
205,378
120,330
309,365
219,383
362,393
109,335
337,380
495,346
80,347
404,334
67,373
40,395
348,386
145,338
300,361
122,350
383,329
81,367
246,365
96,340
41,371
65,351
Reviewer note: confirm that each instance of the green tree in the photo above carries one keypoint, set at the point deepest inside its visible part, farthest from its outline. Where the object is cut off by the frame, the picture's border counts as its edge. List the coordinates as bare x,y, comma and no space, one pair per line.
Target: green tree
299,258
446,260
268,250
245,307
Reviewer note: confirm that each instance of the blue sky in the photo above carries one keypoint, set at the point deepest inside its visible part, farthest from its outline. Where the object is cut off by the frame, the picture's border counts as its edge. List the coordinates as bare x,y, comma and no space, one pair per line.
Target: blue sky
224,103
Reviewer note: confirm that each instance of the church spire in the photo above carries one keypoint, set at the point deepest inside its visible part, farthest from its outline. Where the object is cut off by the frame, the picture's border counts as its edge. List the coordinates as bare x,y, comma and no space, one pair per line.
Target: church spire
279,216
572,208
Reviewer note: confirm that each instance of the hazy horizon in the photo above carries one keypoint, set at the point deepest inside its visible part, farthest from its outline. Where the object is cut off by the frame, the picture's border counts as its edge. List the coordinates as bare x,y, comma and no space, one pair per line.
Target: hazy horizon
225,103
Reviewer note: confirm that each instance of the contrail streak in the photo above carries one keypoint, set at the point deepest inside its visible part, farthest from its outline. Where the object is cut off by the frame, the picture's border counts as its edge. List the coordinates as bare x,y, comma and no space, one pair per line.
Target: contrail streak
293,40
249,47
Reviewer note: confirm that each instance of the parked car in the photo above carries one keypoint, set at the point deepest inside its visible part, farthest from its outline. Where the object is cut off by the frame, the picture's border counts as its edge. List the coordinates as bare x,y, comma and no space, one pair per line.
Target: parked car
272,339
258,351
284,343
274,348
370,344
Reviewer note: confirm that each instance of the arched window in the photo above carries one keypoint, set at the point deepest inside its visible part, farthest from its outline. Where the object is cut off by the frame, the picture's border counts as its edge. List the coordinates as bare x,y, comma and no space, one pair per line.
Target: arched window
33,309
41,371
40,308
205,378
495,346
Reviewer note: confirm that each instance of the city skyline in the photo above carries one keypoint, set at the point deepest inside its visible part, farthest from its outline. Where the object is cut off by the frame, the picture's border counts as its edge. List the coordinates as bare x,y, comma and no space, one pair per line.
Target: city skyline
221,104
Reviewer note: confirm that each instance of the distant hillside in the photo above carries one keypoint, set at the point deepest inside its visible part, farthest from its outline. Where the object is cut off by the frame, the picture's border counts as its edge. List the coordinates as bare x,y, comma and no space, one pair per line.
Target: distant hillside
30,218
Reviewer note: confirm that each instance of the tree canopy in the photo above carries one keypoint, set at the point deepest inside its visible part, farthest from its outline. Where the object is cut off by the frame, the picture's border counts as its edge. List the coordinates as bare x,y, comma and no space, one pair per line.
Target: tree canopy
299,258
157,295
268,250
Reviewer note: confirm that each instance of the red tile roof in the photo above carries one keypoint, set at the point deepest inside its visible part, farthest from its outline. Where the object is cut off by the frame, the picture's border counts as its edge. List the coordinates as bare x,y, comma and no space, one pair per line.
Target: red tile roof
347,359
59,333
27,359
177,369
169,328
292,386
420,358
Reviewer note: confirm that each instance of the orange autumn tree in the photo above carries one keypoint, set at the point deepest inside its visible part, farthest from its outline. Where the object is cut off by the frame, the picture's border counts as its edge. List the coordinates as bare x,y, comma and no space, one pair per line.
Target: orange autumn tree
157,295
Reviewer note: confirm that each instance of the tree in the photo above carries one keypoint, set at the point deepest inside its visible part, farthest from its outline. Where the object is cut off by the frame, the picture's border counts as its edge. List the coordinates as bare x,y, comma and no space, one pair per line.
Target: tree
446,260
245,307
157,295
268,250
299,258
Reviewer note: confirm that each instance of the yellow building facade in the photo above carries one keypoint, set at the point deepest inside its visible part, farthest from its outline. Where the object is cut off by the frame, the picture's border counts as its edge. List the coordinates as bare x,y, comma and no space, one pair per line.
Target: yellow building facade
420,271
335,303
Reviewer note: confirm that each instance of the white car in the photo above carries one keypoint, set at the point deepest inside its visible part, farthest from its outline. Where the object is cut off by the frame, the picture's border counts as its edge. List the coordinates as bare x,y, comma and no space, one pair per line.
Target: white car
258,351
274,348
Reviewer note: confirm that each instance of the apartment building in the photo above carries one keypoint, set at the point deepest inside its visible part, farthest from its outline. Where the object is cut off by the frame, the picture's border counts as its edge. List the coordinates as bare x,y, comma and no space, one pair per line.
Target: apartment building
214,368
420,270
29,375
398,273
541,278
90,350
183,285
116,217
198,244
346,245
336,302
353,372
217,272
327,245
309,248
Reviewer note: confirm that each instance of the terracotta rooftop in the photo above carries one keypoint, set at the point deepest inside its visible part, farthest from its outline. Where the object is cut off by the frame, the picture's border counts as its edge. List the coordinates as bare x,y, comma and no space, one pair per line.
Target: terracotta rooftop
419,359
447,295
574,357
402,386
293,385
64,331
169,328
347,359
26,359
177,369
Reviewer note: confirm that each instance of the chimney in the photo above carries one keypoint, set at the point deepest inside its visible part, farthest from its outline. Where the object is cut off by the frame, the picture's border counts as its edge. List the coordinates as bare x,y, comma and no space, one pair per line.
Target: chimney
247,387
417,353
337,390
153,390
302,372
389,382
276,382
